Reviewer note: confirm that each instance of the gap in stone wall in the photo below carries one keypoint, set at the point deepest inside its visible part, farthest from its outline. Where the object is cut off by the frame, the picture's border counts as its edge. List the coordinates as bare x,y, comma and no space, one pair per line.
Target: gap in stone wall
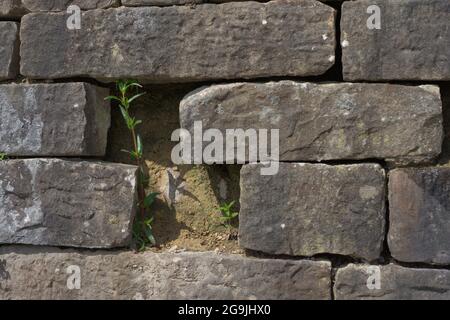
186,212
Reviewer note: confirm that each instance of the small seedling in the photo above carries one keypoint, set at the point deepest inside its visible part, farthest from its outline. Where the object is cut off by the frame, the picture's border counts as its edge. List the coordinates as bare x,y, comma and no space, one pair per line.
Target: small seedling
3,156
228,215
142,228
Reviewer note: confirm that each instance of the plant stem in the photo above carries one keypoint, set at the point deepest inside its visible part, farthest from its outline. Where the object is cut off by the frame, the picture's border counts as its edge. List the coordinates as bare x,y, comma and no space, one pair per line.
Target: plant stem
141,189
140,183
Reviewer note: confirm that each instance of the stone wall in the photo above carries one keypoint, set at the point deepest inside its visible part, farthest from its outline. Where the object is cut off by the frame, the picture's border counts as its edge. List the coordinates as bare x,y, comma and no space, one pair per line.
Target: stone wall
359,208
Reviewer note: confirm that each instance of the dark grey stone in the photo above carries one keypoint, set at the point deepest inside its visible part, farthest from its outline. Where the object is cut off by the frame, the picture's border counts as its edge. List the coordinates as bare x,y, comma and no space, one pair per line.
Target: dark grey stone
67,119
11,9
401,124
62,5
30,273
309,209
66,203
419,210
9,50
162,3
413,42
182,44
357,282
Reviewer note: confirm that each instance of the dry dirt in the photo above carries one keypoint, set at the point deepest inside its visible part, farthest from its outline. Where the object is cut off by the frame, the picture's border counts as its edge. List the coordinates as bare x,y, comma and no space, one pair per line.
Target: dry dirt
186,211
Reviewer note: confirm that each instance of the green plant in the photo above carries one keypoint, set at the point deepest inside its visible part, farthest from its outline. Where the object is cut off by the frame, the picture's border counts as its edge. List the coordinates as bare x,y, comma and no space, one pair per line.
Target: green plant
228,215
142,228
3,156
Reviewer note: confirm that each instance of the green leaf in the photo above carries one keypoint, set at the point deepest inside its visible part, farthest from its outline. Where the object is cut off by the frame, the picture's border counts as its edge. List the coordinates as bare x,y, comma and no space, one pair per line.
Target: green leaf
149,199
135,97
140,148
149,236
148,222
125,114
132,83
110,98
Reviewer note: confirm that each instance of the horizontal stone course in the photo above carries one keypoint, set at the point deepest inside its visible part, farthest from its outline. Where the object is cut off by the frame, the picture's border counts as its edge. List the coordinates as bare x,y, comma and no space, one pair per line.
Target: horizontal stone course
9,50
419,207
395,283
136,3
62,5
67,119
413,42
309,209
333,121
66,203
27,273
11,9
182,44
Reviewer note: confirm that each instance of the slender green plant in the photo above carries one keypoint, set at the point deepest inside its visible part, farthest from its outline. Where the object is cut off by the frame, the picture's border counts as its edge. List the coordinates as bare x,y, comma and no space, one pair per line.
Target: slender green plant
3,156
228,215
142,228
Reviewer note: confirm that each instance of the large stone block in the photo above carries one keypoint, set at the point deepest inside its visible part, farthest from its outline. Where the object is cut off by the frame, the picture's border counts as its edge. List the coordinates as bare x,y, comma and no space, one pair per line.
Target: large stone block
9,50
419,209
66,203
11,9
182,44
62,5
42,274
309,209
67,119
391,282
400,124
413,42
162,3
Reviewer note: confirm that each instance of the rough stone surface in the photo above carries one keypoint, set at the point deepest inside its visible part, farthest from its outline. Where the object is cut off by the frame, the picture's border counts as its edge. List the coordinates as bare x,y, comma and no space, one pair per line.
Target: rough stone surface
406,47
136,3
70,119
62,5
33,274
396,283
66,203
445,96
419,207
309,209
11,9
9,50
402,124
180,43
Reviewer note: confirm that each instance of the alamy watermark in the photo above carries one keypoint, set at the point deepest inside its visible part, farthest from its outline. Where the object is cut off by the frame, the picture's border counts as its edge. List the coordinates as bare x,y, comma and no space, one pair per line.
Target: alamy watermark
374,20
230,146
374,278
74,279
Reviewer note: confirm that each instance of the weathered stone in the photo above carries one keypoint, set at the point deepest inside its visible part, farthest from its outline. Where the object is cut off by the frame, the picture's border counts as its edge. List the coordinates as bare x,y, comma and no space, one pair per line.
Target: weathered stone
309,209
66,203
180,43
42,274
395,283
401,124
62,5
11,9
137,3
444,158
419,207
406,47
9,50
68,119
